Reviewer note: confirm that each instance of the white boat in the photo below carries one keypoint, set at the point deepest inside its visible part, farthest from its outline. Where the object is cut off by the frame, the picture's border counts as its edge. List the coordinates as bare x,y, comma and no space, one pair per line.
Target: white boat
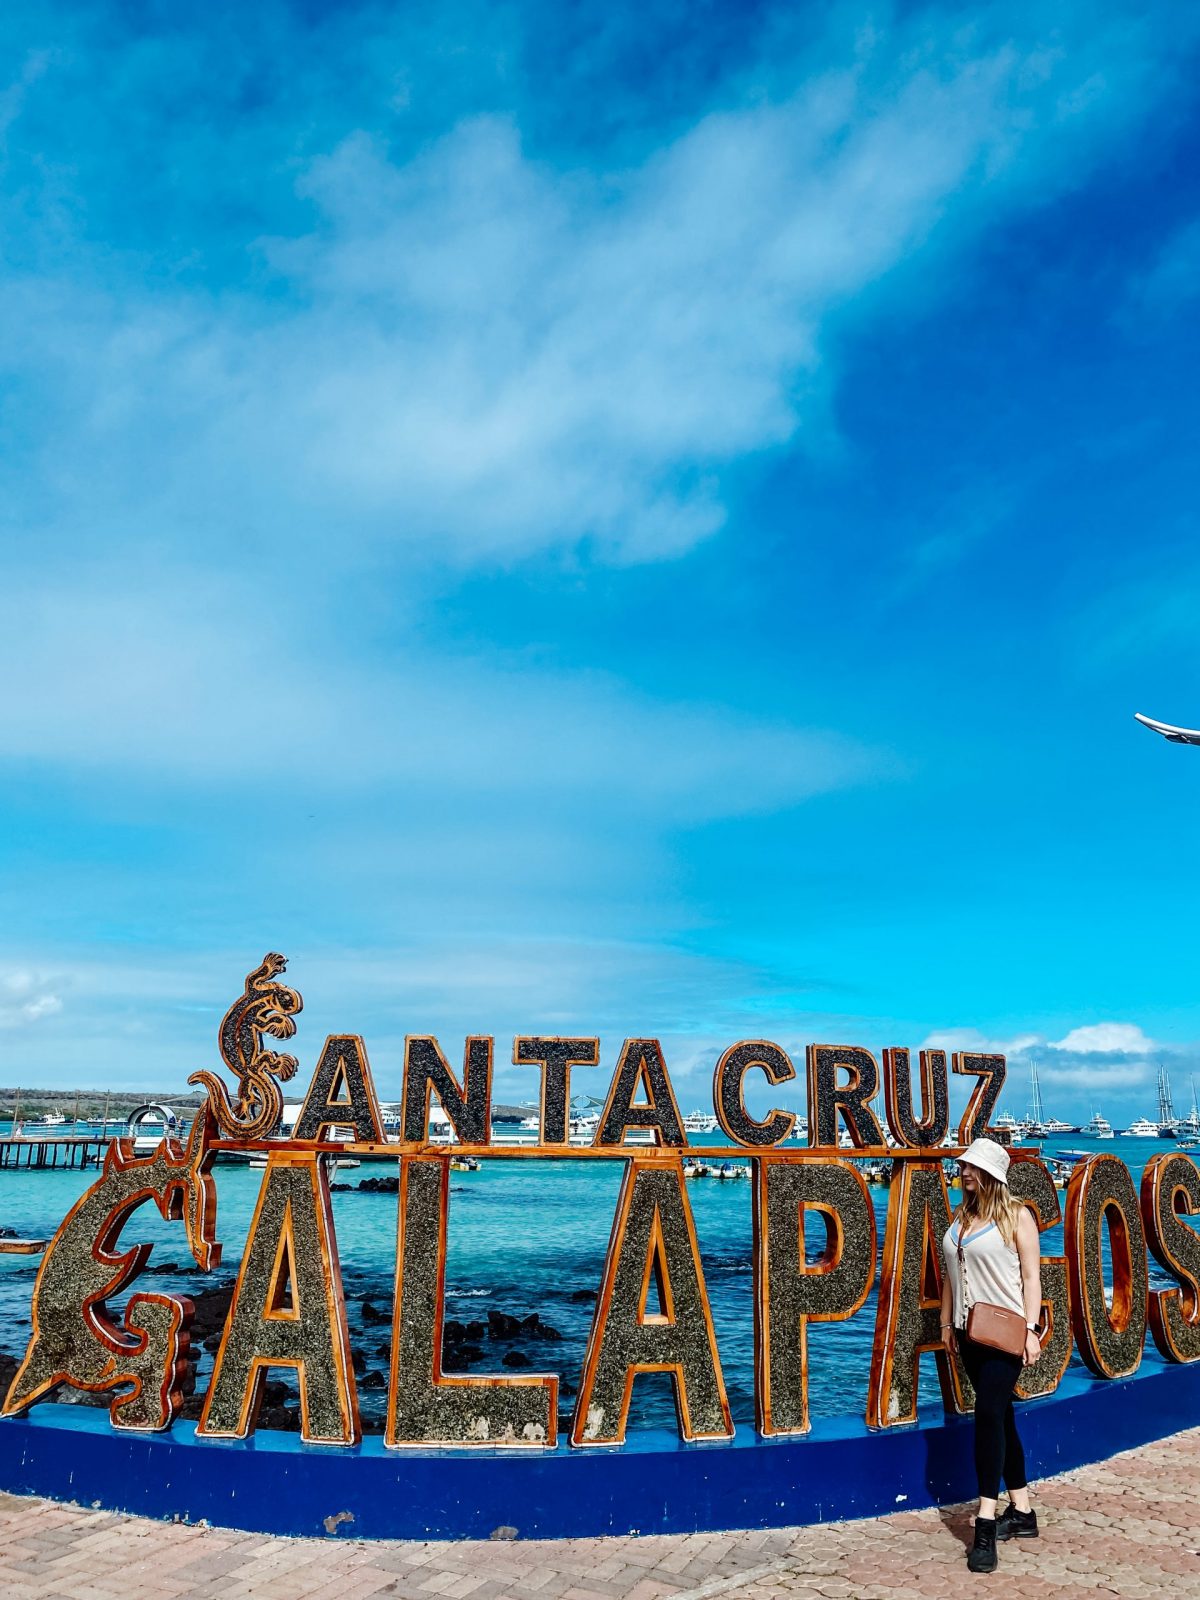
1189,1126
1038,1124
699,1122
1097,1128
1017,1130
1143,1128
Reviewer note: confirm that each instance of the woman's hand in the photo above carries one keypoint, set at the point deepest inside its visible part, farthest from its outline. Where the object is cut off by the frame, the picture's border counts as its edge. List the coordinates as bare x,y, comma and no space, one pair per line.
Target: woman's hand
948,1338
1033,1349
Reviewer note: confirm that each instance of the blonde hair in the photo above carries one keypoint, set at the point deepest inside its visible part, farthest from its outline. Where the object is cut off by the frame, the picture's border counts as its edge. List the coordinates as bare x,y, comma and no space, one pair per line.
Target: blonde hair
992,1202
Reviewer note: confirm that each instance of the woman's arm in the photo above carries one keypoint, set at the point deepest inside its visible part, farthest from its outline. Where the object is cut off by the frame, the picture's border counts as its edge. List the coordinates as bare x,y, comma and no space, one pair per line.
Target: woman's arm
1030,1252
947,1311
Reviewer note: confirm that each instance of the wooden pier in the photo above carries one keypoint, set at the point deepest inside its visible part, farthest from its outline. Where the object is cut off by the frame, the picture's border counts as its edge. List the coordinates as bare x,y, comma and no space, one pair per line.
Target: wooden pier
73,1150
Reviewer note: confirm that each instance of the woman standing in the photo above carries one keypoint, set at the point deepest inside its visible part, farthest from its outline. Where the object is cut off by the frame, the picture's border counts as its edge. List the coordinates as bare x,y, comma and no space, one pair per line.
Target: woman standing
993,1256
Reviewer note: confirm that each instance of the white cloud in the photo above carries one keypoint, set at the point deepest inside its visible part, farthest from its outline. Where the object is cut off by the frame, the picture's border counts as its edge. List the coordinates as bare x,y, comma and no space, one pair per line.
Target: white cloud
478,355
971,1039
1105,1038
1103,1057
1094,1038
26,998
170,682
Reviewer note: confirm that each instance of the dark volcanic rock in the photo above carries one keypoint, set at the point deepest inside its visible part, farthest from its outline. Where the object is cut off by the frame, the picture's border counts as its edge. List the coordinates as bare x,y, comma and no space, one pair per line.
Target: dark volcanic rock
514,1358
211,1309
373,1380
285,1419
372,1315
460,1357
379,1185
454,1332
582,1296
476,1330
358,1361
502,1326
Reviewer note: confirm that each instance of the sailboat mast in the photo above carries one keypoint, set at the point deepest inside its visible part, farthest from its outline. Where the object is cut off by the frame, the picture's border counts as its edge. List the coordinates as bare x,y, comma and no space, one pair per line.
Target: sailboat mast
1166,1112
1039,1115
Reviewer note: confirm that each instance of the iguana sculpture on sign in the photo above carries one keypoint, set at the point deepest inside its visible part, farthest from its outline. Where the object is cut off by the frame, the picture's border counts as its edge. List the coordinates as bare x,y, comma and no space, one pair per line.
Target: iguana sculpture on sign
75,1339
265,1007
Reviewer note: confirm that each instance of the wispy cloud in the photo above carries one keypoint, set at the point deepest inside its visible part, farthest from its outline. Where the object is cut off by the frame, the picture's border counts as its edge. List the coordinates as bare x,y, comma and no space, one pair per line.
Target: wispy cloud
178,684
1117,1058
26,998
1171,281
476,353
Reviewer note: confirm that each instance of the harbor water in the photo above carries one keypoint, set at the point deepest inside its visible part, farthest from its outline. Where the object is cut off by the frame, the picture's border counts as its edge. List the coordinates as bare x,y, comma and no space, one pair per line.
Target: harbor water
524,1236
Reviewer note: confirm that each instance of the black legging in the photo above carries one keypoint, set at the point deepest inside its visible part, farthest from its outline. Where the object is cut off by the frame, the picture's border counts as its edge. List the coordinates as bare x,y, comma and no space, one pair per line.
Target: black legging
998,1451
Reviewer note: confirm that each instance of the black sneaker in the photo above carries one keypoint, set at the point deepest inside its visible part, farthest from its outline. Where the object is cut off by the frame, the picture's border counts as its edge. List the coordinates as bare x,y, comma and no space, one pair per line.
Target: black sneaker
1014,1524
982,1556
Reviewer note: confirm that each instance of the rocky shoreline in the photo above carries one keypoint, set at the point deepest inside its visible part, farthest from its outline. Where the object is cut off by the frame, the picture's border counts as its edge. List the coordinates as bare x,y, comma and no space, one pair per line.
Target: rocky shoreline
466,1345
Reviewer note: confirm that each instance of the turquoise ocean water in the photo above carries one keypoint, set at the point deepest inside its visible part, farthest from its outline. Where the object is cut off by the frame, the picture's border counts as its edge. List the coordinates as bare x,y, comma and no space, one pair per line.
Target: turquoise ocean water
524,1236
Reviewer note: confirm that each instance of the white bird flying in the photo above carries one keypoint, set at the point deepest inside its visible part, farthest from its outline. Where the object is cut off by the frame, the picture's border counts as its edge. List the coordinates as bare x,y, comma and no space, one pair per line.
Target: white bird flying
1175,735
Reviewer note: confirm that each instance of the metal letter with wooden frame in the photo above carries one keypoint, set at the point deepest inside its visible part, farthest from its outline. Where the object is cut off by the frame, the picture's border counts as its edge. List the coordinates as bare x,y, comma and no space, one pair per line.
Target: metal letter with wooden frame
1110,1341
653,1247
788,1292
1170,1192
1029,1180
425,1407
907,1318
827,1098
641,1064
729,1092
288,1310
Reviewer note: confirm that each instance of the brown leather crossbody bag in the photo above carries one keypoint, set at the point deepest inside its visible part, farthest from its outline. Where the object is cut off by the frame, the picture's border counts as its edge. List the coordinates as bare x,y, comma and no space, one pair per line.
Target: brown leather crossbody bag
997,1326
993,1325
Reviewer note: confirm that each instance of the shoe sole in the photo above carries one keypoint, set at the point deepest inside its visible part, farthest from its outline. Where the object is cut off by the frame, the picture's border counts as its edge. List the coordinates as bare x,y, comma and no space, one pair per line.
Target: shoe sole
1031,1533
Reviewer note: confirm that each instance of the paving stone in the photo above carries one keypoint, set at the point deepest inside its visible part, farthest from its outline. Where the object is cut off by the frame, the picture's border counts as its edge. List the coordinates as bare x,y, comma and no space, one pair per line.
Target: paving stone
1128,1527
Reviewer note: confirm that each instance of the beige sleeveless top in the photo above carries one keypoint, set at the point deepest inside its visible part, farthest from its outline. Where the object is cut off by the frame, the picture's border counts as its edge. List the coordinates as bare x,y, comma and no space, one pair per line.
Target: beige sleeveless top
991,1271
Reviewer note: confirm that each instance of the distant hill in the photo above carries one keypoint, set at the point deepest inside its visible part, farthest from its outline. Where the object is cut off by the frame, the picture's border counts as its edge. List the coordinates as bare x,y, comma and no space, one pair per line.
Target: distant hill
91,1102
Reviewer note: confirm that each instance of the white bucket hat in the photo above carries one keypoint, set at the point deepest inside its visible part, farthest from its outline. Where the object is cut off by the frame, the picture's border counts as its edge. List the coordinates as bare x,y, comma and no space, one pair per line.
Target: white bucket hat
990,1156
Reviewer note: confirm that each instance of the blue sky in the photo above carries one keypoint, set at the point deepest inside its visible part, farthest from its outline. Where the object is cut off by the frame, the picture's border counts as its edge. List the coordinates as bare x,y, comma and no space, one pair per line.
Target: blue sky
621,519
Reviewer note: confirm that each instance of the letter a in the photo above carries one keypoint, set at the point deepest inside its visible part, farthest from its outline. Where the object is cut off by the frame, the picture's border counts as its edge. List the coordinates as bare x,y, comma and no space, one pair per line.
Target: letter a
287,1311
653,1245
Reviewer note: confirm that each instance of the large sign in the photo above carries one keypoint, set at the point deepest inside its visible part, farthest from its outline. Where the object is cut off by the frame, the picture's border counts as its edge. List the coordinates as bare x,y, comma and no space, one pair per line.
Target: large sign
652,1311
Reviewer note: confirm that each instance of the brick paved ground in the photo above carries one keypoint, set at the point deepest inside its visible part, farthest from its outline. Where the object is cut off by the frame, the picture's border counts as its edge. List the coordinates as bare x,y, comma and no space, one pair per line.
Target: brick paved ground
1130,1526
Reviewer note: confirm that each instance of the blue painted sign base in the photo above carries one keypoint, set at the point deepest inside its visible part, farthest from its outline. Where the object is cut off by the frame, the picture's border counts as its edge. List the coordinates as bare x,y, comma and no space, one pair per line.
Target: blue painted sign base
274,1484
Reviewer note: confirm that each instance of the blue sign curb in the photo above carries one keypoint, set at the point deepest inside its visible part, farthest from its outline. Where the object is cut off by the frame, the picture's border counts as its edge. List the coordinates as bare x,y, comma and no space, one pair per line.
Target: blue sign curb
272,1483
